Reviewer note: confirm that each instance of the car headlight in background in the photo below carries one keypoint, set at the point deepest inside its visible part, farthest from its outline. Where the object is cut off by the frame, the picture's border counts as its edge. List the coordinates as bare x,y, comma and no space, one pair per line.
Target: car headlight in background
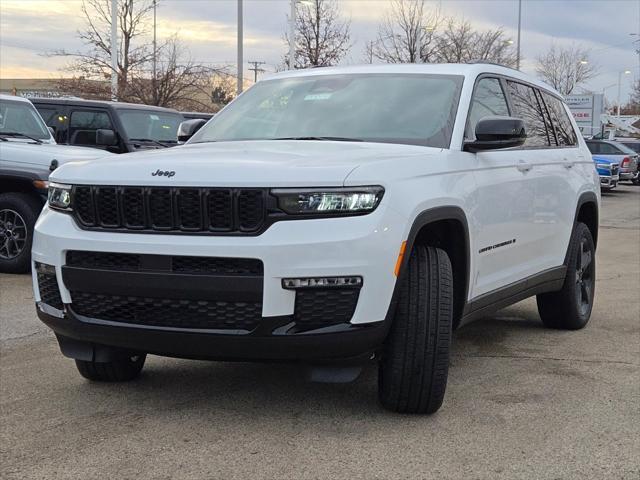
329,201
59,196
605,166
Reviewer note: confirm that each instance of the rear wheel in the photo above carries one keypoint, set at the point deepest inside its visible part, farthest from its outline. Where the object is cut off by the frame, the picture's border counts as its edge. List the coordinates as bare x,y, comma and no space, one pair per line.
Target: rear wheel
570,308
414,367
120,370
18,215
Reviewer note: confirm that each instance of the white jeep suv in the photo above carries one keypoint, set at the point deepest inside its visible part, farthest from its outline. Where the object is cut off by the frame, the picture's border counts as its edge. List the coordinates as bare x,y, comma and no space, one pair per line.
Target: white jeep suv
328,216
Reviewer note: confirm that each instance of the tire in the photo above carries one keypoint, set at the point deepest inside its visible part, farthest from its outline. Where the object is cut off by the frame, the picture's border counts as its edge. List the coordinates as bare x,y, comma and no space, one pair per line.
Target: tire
120,370
412,376
570,308
18,215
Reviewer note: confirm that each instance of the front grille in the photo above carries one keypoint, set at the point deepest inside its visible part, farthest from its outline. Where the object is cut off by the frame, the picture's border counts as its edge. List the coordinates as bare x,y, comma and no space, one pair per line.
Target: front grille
170,263
317,308
49,291
167,312
174,210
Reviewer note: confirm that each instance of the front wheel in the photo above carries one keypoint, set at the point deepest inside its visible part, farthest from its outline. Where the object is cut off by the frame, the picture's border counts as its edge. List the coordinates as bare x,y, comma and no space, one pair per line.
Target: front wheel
414,366
570,308
18,215
119,370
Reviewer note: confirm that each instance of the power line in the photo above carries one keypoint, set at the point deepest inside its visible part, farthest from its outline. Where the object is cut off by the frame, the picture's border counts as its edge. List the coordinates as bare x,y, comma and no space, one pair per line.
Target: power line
256,69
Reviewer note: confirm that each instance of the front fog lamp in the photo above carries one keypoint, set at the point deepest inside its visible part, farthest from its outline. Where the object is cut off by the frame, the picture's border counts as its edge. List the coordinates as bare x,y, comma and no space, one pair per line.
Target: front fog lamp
60,196
321,282
329,200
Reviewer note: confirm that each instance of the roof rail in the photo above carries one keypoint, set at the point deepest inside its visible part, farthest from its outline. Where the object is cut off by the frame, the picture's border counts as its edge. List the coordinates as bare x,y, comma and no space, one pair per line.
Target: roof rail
488,62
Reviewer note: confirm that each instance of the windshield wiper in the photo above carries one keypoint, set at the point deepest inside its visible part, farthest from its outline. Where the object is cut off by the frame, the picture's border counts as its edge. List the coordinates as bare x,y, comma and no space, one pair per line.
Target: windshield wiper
18,134
332,139
149,140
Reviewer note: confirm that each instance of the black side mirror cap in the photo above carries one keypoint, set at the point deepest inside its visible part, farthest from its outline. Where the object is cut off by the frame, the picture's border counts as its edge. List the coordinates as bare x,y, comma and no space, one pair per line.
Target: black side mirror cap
106,137
493,133
188,128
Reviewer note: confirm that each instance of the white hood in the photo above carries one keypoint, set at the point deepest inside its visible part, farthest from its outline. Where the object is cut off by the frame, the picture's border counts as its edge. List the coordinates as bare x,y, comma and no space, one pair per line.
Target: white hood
251,164
41,154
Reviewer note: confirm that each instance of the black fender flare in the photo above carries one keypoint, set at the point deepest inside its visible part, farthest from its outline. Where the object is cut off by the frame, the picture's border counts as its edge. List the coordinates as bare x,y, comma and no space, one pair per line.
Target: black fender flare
583,199
423,219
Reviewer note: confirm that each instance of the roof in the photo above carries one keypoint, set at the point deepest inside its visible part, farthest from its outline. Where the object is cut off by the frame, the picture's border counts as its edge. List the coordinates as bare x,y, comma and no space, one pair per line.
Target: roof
471,70
101,103
13,98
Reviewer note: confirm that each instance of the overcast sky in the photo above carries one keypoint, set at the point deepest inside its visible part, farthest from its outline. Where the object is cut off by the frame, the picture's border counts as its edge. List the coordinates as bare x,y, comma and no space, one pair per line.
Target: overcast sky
29,28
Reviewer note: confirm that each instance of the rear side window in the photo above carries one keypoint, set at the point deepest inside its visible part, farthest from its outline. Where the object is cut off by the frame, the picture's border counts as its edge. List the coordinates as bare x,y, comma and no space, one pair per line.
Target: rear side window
529,110
564,132
55,118
488,100
83,125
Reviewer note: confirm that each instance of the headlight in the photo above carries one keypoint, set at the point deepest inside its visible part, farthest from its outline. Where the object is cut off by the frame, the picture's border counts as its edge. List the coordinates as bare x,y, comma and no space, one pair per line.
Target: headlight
606,166
329,201
59,196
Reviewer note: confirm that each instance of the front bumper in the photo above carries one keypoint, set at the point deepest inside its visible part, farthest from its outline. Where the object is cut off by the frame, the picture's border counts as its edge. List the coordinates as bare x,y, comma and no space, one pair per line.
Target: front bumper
608,182
365,246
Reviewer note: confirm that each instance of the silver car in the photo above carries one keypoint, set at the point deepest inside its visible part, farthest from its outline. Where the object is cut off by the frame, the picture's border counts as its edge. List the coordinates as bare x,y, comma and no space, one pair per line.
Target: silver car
611,150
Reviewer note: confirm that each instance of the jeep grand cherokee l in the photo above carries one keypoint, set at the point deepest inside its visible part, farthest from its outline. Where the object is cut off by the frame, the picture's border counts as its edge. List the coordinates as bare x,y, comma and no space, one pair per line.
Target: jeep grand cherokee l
334,215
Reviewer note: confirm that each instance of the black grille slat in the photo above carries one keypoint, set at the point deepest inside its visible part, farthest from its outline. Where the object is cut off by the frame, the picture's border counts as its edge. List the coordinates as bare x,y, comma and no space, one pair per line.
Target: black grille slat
220,210
133,213
217,265
160,208
106,200
49,291
174,210
250,209
103,260
165,312
317,308
83,205
189,209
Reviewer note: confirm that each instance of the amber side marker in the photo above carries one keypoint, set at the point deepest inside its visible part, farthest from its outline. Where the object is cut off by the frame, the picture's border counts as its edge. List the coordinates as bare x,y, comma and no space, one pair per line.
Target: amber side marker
403,247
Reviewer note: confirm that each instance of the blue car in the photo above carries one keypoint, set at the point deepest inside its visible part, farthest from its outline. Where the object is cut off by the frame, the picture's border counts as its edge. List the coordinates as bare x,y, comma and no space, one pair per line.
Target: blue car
608,171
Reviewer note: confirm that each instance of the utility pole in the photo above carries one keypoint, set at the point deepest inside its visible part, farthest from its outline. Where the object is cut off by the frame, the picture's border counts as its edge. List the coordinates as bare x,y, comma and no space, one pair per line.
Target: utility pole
114,50
292,35
255,69
155,55
240,53
519,28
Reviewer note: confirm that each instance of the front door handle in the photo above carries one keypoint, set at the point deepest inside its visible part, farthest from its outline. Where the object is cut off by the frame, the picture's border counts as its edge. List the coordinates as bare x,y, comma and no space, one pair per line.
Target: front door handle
523,166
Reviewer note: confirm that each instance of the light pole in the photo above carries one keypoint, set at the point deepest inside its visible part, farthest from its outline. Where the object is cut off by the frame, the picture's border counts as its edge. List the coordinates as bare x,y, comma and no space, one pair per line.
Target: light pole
292,31
625,72
155,54
240,53
519,28
114,50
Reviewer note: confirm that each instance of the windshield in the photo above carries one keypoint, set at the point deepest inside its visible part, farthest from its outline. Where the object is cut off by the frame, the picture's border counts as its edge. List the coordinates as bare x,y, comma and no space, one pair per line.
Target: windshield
22,118
150,125
411,109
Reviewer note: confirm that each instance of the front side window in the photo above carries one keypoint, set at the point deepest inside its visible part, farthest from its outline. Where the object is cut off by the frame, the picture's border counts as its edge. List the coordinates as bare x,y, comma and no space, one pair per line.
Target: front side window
488,100
83,125
528,109
150,125
21,118
594,147
609,149
564,132
411,109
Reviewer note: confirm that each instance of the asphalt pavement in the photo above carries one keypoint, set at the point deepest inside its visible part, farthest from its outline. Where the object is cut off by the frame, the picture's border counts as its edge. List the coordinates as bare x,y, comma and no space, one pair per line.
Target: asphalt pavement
523,402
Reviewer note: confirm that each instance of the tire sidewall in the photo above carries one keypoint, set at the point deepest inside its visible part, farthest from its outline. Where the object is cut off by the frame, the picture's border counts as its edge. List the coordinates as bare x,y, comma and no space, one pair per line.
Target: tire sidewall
28,208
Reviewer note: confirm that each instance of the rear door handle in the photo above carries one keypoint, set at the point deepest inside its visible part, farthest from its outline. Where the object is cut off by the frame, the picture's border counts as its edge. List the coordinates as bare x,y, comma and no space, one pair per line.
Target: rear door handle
523,166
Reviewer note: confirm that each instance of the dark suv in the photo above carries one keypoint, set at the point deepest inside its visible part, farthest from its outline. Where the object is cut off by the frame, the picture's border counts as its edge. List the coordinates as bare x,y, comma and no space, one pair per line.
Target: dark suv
112,126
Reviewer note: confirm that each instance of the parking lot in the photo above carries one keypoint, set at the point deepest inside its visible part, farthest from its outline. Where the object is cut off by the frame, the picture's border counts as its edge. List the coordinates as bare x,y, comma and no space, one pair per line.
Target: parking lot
522,402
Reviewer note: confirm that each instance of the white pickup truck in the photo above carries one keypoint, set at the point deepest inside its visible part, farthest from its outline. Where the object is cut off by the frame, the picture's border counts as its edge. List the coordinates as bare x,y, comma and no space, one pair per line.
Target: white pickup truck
28,153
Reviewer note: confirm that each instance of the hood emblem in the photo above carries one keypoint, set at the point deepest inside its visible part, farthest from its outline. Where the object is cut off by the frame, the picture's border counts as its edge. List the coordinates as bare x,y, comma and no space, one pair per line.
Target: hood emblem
163,173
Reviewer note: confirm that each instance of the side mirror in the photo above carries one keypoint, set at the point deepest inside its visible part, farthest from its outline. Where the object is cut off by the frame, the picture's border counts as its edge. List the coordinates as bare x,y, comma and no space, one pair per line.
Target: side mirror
106,137
188,128
493,133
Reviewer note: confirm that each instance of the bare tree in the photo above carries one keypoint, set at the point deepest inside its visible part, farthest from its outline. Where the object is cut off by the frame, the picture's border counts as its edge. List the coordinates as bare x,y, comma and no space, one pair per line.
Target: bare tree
564,68
322,38
406,35
95,62
180,82
459,42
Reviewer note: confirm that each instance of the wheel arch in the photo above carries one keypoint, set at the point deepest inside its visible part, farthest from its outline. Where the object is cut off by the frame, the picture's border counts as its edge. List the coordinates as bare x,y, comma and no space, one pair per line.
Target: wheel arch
586,212
447,228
